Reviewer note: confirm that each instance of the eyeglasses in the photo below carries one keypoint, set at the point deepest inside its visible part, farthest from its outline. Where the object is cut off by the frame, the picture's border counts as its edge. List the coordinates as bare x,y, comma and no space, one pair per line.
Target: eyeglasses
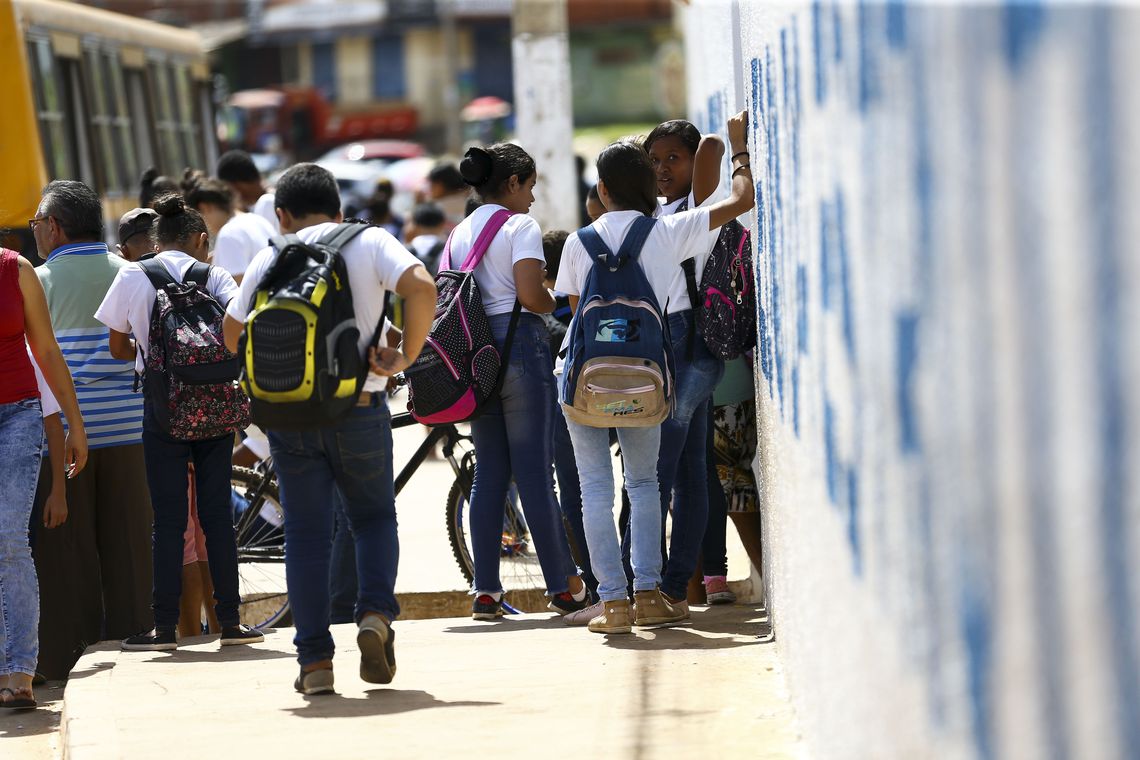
33,222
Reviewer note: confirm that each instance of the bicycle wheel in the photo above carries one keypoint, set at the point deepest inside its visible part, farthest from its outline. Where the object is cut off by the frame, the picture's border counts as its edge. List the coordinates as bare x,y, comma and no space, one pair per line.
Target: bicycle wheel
260,535
518,564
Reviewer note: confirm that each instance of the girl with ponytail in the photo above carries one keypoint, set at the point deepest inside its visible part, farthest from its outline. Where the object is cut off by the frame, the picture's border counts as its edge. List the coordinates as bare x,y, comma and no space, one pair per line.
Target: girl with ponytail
514,435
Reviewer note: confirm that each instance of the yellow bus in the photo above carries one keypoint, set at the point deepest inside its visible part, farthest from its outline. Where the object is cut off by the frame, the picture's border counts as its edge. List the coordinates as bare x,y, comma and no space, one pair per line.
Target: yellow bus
99,97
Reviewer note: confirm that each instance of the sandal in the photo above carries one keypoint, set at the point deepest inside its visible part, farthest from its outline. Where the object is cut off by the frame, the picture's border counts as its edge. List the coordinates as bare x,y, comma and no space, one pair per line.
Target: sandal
17,702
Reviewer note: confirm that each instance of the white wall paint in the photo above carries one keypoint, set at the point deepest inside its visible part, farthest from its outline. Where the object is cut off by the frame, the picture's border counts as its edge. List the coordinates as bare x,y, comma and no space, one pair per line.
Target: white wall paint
949,380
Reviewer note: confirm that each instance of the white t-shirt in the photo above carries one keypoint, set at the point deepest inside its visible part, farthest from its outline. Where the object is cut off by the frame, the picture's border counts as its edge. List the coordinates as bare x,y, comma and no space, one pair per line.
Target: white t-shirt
519,239
127,306
264,207
671,241
421,246
375,261
239,240
679,289
47,399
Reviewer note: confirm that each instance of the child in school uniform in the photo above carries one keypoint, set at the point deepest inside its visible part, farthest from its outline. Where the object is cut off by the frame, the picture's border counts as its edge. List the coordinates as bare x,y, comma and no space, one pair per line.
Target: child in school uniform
627,187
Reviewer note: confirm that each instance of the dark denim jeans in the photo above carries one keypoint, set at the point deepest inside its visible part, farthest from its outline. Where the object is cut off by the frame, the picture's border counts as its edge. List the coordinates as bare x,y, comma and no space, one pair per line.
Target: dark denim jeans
514,436
166,464
342,569
714,547
681,466
352,462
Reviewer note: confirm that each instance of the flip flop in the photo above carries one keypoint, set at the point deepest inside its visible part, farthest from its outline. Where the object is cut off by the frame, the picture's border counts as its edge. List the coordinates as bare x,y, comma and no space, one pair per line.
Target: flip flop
17,702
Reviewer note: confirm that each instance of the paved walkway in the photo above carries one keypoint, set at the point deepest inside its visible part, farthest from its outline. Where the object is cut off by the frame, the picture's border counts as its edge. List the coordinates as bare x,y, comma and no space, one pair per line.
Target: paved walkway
713,687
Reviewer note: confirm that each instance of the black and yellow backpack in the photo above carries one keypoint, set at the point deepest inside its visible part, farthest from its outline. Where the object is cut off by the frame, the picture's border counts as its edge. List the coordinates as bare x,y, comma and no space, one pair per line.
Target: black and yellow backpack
300,363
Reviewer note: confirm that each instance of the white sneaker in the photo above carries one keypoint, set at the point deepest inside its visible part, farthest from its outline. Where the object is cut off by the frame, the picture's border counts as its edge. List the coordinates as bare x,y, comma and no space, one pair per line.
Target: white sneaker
584,616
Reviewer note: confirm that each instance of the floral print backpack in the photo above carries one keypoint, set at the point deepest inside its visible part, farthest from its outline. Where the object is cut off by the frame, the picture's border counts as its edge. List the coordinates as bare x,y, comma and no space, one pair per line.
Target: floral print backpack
191,377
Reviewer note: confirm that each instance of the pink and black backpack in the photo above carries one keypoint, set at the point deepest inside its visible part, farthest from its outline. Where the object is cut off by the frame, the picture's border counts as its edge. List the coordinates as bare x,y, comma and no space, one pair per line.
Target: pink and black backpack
459,368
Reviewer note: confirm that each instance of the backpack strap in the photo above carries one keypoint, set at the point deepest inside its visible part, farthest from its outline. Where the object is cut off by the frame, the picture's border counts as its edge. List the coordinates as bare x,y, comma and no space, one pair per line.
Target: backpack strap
198,273
689,266
482,243
157,273
594,244
635,238
344,232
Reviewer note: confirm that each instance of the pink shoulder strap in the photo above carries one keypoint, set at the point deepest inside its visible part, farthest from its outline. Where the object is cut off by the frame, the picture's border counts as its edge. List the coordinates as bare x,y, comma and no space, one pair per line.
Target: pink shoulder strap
482,243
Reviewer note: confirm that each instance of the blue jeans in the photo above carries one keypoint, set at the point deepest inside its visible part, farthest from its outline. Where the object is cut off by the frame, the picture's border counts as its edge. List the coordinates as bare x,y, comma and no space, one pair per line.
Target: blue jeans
570,497
342,569
21,444
714,546
352,462
595,472
166,464
681,468
514,436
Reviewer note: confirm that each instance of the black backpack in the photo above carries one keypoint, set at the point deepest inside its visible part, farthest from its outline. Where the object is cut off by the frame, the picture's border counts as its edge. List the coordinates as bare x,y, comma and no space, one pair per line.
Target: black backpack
724,306
300,363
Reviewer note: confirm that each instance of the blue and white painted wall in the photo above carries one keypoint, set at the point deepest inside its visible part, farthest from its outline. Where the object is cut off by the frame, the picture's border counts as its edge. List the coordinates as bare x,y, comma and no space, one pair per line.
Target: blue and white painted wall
948,210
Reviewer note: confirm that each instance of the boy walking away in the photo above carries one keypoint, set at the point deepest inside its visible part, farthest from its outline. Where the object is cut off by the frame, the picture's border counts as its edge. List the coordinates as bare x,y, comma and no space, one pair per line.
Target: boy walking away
346,456
425,234
173,305
103,551
135,242
238,170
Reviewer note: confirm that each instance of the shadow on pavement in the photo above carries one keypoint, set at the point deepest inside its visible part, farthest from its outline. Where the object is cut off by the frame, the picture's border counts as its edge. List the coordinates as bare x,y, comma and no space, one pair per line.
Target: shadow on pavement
42,720
378,702
509,623
241,653
653,639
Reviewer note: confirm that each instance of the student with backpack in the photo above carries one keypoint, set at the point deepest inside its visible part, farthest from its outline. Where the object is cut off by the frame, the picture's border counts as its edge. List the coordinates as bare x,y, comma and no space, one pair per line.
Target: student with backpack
706,314
173,305
514,430
236,236
618,371
325,411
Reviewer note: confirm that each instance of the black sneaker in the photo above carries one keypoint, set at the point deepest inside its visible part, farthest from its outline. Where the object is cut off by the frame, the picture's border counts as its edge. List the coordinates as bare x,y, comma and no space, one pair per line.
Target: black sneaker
486,607
565,603
157,640
240,634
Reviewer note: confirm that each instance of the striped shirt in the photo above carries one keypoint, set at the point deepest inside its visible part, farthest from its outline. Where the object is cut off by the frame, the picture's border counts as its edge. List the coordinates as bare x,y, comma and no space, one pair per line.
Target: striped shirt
76,277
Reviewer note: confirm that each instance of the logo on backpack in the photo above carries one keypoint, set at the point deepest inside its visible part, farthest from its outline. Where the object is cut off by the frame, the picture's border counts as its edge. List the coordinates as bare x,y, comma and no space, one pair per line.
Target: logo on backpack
459,368
619,363
301,361
618,331
191,377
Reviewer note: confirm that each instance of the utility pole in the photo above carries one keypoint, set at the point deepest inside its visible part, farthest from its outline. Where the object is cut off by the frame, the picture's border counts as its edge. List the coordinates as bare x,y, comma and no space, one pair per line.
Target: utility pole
453,137
544,107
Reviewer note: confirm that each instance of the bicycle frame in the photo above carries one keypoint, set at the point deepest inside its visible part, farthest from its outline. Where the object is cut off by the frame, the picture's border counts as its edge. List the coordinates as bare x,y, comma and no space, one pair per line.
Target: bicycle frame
448,435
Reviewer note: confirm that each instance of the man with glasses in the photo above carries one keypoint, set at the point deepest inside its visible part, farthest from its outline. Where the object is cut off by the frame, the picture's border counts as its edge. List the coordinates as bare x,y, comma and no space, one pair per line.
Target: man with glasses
95,570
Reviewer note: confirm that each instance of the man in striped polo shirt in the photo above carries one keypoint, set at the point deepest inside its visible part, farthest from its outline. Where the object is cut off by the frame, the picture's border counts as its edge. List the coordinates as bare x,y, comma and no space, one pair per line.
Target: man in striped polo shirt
99,562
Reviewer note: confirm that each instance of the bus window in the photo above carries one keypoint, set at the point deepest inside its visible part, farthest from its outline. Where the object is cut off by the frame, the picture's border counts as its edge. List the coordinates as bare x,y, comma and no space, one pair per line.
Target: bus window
141,120
171,158
77,118
121,119
51,107
187,124
106,156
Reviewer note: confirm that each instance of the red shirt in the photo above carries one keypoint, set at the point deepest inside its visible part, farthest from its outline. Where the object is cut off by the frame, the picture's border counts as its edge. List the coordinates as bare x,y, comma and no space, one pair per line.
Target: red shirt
17,378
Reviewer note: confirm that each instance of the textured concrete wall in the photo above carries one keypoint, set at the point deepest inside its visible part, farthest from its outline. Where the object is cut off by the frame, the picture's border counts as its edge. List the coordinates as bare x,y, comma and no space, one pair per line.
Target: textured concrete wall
948,209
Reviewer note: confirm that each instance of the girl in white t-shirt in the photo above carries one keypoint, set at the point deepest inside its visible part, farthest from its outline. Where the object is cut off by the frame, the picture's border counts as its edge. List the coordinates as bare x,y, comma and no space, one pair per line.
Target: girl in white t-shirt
126,310
627,187
514,434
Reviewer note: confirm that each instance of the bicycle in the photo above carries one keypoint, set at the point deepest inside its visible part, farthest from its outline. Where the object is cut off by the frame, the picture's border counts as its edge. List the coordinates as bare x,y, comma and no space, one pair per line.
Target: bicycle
259,519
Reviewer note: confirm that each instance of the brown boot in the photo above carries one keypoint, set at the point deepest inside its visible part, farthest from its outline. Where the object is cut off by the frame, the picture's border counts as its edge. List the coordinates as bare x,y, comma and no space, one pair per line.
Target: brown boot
654,609
616,617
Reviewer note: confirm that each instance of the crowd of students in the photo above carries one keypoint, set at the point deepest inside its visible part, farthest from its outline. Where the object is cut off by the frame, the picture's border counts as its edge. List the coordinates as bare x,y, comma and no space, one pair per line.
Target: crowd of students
134,518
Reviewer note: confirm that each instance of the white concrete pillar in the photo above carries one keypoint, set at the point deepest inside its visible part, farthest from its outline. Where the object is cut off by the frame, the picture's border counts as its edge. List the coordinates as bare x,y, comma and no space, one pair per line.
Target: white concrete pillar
544,108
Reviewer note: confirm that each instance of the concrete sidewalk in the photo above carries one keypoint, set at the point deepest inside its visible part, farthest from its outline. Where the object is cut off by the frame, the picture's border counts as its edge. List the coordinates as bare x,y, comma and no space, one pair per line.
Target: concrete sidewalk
463,688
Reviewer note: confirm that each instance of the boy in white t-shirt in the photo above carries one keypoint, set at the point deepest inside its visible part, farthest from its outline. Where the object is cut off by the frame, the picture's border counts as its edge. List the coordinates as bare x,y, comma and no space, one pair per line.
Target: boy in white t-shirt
351,459
237,169
627,187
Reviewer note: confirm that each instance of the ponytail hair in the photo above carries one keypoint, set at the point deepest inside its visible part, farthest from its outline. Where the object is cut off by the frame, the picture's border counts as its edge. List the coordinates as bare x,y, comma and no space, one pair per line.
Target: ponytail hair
625,170
488,170
176,223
